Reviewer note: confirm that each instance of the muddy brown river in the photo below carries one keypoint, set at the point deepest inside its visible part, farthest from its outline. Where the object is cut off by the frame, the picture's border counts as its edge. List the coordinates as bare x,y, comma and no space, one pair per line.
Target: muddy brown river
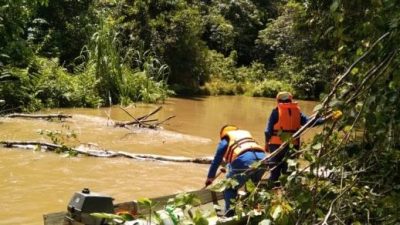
34,182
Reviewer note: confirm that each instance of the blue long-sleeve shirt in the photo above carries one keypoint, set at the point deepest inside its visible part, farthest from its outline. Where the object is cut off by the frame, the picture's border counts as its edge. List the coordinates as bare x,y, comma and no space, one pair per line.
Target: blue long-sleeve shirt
219,155
274,117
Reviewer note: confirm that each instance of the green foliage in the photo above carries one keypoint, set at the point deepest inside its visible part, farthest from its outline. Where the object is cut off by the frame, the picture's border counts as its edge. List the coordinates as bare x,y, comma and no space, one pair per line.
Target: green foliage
14,18
280,35
107,43
57,88
269,88
110,218
65,138
45,84
253,80
199,219
247,18
185,201
117,80
219,33
65,27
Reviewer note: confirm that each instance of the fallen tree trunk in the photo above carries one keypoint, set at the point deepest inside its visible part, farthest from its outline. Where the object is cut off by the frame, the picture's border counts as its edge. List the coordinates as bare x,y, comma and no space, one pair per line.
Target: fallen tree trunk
104,153
39,116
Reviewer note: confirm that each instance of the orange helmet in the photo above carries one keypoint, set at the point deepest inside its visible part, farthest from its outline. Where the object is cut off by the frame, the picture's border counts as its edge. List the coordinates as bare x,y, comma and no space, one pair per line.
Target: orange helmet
225,129
284,96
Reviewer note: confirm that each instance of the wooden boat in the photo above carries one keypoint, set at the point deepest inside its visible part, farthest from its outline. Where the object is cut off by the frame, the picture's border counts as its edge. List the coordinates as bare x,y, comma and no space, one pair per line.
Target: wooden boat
207,198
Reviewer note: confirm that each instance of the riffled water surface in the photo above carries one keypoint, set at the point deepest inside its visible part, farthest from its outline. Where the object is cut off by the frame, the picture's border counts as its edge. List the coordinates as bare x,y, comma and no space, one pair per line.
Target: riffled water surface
33,182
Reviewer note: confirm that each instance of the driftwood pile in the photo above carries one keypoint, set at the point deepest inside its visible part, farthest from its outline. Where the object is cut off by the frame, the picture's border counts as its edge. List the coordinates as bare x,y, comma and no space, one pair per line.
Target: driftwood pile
103,153
143,121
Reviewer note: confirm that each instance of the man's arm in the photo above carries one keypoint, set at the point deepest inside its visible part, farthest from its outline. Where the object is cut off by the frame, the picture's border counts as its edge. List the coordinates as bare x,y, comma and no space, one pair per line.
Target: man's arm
269,129
219,154
304,119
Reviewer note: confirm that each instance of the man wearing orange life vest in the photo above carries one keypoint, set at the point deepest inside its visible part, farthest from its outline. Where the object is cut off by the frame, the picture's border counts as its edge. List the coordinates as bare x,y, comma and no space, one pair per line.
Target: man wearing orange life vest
239,150
288,118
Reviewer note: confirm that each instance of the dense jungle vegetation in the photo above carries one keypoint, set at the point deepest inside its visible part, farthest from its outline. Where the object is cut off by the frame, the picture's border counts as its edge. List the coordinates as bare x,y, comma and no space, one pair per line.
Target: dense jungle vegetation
98,52
56,53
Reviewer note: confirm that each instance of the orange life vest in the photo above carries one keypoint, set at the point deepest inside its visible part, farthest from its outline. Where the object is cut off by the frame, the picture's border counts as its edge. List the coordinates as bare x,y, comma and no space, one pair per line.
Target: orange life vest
240,141
289,121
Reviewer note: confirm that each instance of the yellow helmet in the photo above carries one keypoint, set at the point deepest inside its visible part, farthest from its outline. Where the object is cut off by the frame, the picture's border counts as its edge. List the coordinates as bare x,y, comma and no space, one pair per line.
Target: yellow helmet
225,129
284,96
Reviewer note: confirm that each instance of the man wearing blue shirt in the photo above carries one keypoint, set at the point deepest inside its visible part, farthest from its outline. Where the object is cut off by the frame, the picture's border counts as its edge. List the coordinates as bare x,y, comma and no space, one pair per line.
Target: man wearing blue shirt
239,150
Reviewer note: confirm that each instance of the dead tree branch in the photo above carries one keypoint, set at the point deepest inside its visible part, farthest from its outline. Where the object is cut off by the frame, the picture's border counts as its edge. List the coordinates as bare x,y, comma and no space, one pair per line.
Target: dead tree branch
143,121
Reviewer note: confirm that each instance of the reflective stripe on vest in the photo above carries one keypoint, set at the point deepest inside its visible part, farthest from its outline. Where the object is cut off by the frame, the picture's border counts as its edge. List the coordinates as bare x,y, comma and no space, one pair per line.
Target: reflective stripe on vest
289,121
240,141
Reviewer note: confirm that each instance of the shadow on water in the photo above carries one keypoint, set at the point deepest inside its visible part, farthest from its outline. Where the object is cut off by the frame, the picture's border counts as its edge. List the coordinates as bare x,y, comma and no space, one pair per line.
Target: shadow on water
192,97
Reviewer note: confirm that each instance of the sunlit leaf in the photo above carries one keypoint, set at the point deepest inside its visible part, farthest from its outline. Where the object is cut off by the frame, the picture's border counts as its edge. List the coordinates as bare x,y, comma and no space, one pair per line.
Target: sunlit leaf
250,187
265,222
256,164
292,163
309,157
317,108
276,212
359,52
317,146
354,70
145,201
199,219
334,6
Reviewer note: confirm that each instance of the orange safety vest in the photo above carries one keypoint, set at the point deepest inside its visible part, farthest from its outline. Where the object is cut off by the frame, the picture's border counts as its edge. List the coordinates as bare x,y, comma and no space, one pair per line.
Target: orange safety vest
240,141
289,121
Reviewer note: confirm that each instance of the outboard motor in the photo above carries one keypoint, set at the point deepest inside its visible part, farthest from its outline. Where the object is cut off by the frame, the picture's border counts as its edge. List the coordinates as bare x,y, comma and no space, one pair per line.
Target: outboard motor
83,203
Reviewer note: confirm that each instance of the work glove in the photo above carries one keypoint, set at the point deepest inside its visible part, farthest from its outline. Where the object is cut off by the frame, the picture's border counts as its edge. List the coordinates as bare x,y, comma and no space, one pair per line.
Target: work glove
337,114
209,181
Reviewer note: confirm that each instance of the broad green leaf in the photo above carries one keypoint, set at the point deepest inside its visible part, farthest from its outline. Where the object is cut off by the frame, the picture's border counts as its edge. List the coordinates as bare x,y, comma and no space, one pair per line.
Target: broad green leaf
250,187
265,222
317,108
334,5
319,213
256,164
359,52
309,157
354,71
145,201
292,163
199,219
126,217
334,103
317,146
347,128
276,212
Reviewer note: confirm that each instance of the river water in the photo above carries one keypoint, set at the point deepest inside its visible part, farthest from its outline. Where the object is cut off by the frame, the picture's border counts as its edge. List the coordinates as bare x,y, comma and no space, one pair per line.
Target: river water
33,183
